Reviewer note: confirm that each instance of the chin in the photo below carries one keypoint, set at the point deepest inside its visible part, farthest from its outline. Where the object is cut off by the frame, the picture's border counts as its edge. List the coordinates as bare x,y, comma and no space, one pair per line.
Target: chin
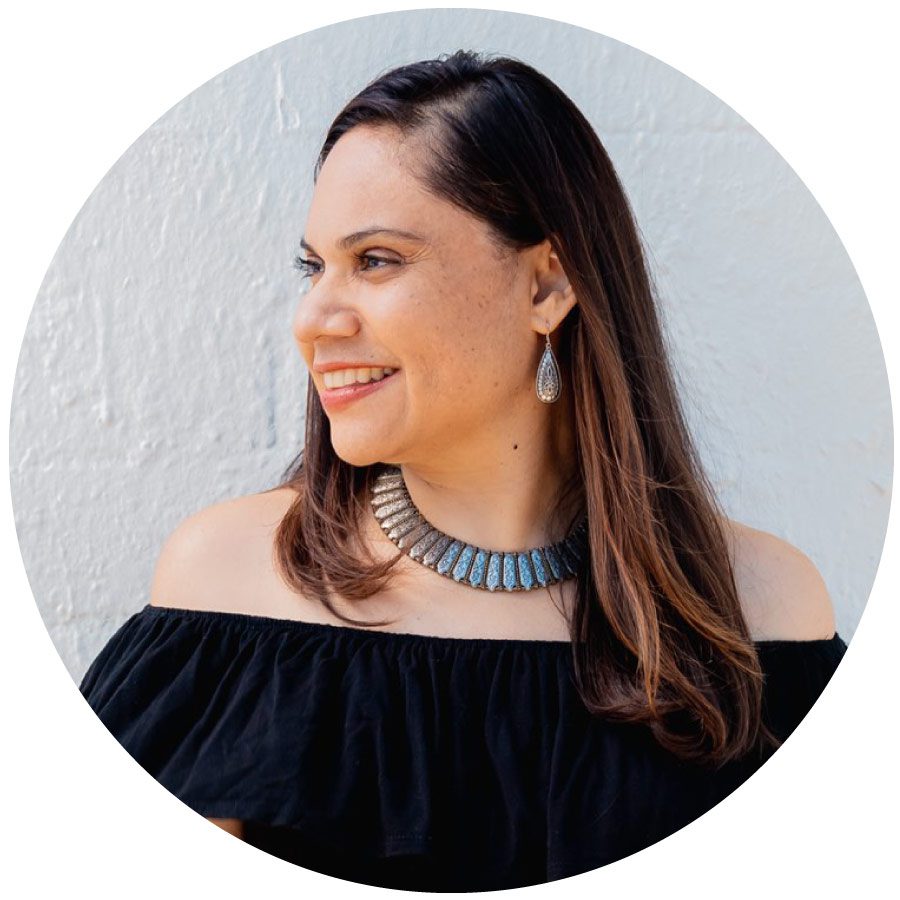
358,457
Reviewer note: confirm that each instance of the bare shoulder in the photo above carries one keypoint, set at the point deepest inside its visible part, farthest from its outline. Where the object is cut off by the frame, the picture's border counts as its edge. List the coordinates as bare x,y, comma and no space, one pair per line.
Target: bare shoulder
782,593
220,558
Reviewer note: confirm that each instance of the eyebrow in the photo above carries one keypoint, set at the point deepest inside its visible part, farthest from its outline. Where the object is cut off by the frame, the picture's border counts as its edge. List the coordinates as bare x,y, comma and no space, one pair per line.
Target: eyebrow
345,243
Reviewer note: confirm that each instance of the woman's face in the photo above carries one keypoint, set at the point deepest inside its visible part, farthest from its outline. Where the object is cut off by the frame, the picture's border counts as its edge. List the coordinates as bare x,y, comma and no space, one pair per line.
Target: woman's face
440,305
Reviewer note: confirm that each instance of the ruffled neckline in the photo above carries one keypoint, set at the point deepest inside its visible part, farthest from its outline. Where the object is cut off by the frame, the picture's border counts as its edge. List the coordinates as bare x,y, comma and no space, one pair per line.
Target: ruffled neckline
356,633
350,751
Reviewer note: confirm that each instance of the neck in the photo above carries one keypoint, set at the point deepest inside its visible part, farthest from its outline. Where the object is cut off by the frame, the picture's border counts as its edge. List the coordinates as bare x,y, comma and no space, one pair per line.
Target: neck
502,497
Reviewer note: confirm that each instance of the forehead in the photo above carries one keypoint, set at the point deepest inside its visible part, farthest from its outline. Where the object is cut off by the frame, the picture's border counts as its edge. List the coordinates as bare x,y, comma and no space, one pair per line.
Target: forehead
370,177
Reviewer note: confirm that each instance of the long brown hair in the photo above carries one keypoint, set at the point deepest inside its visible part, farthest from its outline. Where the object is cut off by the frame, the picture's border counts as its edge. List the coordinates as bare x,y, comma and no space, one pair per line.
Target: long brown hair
658,634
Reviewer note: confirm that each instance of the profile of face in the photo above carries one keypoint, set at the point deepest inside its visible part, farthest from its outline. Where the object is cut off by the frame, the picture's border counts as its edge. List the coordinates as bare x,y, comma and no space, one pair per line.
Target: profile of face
461,321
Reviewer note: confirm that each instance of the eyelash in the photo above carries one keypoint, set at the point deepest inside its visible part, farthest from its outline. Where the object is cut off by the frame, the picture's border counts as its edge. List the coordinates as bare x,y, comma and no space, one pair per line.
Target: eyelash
303,265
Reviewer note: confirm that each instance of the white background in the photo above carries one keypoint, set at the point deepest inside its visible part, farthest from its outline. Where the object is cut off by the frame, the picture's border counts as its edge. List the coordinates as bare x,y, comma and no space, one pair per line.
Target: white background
158,373
81,84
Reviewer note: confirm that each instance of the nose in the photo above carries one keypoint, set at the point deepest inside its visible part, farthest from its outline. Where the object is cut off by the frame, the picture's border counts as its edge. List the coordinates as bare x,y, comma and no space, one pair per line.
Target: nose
319,315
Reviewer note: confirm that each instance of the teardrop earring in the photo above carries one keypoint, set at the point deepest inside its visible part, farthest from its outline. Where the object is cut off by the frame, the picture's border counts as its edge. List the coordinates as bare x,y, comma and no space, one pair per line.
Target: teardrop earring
548,383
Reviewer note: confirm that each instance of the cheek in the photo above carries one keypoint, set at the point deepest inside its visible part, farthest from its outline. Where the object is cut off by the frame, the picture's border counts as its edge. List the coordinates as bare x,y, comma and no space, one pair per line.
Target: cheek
468,363
458,340
453,350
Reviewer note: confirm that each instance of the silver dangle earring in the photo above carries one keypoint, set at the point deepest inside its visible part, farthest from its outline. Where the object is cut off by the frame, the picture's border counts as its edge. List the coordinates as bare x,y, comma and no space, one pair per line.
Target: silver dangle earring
548,383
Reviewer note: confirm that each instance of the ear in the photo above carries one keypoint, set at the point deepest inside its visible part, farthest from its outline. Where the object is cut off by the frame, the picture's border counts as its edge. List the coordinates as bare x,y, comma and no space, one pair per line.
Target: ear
552,294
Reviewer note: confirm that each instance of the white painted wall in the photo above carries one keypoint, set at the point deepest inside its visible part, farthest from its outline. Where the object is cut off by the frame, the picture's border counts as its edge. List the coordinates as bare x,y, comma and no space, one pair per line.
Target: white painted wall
158,373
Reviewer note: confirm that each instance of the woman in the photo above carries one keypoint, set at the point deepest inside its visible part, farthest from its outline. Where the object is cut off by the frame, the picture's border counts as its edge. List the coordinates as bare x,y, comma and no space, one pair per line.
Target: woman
493,628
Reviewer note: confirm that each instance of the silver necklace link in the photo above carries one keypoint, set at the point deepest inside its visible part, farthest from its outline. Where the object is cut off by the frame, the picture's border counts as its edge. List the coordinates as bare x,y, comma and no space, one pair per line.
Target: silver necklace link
490,570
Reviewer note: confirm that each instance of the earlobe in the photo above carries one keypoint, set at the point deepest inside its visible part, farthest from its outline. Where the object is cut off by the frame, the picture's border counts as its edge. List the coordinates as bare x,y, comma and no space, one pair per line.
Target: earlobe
554,306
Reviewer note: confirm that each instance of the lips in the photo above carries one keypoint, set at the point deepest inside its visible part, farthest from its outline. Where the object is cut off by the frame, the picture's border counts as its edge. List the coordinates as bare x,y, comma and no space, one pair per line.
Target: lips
332,398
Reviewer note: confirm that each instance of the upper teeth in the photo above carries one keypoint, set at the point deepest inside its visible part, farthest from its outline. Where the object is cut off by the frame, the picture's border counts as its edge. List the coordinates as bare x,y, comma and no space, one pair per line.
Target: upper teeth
341,377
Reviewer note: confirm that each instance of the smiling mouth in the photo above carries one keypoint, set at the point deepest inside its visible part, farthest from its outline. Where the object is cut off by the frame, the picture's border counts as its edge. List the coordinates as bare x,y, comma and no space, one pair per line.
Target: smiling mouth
359,384
348,392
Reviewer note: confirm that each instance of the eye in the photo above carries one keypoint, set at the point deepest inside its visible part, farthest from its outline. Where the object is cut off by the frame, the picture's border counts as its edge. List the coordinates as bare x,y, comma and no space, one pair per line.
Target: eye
308,267
364,256
304,266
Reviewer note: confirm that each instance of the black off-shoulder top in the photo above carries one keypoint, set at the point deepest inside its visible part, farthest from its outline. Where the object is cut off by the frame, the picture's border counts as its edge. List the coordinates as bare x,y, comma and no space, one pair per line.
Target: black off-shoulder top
409,761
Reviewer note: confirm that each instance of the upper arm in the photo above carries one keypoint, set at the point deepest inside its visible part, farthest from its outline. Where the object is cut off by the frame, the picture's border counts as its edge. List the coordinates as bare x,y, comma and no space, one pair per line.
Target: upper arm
217,559
782,593
232,826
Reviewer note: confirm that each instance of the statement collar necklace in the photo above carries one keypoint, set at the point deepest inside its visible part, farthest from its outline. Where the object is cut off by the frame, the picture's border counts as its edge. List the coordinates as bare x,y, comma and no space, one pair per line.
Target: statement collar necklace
490,570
